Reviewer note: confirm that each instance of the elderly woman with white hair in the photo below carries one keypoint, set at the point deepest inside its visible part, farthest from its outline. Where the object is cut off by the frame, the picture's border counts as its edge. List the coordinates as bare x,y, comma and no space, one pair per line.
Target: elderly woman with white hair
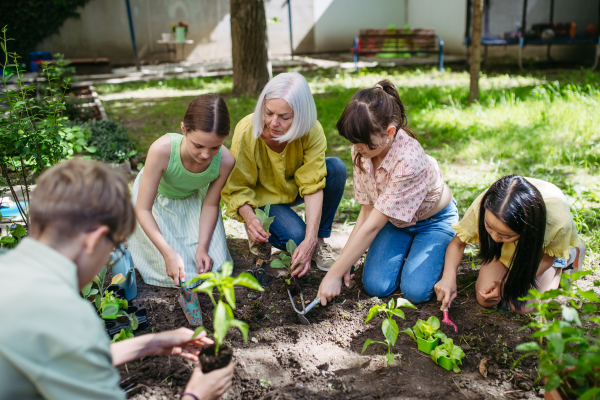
280,159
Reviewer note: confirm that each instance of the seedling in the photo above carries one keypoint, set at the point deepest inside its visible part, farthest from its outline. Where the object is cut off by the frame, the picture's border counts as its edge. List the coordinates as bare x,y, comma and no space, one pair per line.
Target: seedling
448,355
223,318
111,305
389,325
95,294
285,260
426,334
263,217
124,334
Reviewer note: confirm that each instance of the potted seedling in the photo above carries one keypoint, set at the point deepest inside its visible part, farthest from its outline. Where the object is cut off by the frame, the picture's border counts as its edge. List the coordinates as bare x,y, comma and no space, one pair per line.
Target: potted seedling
111,305
219,354
262,249
426,334
285,260
448,355
389,325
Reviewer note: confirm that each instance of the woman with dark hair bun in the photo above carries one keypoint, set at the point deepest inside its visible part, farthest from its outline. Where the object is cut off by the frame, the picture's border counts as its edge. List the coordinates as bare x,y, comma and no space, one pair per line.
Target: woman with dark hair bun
527,238
180,231
406,208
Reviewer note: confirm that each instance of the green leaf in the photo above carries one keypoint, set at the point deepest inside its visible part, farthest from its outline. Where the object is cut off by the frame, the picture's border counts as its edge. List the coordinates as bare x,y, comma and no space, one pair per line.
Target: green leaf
117,279
261,216
109,310
390,358
570,314
98,301
226,269
367,343
87,289
579,274
529,346
229,295
91,149
553,382
434,323
410,333
590,394
221,322
135,323
589,295
198,330
290,246
247,280
390,330
398,313
400,302
547,369
372,312
242,326
277,264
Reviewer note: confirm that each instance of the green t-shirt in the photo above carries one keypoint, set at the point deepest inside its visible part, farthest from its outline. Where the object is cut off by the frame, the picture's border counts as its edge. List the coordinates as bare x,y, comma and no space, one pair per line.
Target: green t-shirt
52,343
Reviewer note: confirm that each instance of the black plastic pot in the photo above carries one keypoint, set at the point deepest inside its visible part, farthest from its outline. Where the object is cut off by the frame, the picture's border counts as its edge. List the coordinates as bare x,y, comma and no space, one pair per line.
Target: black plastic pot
113,327
117,290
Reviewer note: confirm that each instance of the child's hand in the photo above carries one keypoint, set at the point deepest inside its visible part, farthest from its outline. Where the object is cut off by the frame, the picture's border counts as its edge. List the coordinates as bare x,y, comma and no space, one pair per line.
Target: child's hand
175,268
491,293
445,290
329,288
205,263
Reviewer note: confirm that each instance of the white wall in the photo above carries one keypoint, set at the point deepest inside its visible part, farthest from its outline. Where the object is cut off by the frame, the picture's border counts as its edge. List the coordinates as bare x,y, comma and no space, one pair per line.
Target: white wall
447,17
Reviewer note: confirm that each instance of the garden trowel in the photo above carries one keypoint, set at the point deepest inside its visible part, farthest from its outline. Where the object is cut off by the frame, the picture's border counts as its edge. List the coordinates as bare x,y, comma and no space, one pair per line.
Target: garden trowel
190,305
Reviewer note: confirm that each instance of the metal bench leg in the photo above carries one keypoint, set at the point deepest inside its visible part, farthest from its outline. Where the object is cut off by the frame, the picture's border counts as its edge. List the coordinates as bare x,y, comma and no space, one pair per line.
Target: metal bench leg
440,54
596,58
356,54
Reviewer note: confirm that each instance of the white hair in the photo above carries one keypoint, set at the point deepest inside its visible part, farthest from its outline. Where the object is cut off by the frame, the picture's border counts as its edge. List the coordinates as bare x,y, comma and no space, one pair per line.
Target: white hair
293,88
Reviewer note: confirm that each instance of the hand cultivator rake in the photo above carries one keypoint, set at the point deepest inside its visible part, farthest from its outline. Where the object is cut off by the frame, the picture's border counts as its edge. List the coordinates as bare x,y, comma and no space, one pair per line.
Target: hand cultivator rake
447,321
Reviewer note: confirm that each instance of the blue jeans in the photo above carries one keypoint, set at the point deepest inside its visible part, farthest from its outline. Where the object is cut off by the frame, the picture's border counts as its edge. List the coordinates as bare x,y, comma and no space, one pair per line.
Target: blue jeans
411,257
288,225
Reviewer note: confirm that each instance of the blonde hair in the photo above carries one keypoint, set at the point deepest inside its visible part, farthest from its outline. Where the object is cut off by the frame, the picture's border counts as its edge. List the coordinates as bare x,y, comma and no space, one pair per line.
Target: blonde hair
293,88
76,195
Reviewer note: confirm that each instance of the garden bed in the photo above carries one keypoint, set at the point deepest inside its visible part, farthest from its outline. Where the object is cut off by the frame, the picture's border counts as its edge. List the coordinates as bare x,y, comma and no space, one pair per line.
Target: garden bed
284,359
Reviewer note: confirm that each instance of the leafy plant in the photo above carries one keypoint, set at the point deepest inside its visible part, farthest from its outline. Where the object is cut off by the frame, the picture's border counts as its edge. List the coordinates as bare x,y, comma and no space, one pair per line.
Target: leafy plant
126,333
426,330
111,141
263,217
389,325
223,318
15,233
570,359
285,260
450,350
110,299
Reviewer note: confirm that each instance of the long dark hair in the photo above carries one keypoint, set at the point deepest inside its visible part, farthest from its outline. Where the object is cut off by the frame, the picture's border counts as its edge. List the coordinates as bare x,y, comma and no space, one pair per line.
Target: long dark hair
371,111
519,205
208,113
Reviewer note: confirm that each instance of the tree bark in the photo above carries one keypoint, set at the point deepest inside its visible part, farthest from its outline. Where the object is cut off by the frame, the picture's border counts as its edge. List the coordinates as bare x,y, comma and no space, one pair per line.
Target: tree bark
475,61
249,46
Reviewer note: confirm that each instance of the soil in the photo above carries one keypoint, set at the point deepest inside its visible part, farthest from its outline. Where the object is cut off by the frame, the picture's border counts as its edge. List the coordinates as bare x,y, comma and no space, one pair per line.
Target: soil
210,361
284,359
264,250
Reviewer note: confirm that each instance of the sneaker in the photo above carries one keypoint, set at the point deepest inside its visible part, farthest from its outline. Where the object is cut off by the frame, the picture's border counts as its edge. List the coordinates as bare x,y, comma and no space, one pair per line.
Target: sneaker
323,256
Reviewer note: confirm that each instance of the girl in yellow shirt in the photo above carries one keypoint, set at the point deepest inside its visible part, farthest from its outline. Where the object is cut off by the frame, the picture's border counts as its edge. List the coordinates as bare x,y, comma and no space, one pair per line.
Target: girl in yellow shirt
527,236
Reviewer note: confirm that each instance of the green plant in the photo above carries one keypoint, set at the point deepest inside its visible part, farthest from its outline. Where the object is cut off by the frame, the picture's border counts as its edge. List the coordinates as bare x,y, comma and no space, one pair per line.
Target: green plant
285,260
570,359
450,350
15,233
111,141
111,305
389,325
223,318
426,330
263,217
126,333
31,134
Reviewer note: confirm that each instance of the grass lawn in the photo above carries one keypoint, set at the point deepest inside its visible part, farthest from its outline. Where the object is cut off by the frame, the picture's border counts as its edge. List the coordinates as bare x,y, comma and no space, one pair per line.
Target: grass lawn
541,124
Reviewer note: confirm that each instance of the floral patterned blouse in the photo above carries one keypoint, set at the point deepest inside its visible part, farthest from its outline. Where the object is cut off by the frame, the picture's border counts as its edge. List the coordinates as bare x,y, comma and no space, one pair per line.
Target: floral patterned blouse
405,186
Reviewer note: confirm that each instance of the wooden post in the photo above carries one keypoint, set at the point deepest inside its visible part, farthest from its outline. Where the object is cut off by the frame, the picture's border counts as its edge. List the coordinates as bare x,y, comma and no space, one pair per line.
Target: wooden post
475,62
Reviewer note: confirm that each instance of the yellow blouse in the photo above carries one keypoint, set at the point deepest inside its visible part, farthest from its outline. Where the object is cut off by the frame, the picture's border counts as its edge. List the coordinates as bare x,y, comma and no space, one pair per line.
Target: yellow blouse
261,176
561,233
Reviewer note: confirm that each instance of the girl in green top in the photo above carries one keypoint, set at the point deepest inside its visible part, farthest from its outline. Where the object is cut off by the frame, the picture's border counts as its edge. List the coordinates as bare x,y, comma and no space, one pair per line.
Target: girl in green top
180,232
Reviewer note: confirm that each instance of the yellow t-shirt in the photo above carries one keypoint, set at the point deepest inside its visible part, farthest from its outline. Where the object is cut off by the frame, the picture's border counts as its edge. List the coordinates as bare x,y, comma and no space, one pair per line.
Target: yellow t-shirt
261,176
561,233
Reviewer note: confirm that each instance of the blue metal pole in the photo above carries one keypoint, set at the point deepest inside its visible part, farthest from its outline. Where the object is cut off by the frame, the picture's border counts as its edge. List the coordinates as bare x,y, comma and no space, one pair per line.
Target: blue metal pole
137,60
289,3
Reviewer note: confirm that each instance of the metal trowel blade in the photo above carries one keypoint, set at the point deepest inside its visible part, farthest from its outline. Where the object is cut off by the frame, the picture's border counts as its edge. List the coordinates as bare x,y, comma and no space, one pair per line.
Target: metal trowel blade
303,319
191,308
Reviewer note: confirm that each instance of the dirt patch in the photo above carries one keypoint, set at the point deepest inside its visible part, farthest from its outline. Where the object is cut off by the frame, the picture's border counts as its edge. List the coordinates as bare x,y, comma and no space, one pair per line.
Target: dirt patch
284,359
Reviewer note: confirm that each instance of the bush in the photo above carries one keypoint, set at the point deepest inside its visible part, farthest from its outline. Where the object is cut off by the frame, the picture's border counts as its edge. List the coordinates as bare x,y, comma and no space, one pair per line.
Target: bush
111,140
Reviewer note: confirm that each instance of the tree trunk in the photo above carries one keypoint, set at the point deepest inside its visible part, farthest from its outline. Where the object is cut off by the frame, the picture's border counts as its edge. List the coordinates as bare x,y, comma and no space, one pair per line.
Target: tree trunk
475,62
249,46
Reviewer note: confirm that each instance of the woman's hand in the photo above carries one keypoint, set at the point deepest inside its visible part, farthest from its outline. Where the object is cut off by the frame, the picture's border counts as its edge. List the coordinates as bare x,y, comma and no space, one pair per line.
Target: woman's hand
205,263
178,343
445,290
329,288
491,293
256,231
302,256
209,386
175,267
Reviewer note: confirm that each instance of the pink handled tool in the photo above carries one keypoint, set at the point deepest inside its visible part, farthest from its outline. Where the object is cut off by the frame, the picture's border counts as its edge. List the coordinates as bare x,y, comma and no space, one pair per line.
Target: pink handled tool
446,320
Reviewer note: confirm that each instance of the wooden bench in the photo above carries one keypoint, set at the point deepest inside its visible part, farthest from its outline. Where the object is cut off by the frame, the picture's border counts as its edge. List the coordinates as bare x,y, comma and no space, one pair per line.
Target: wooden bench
373,41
